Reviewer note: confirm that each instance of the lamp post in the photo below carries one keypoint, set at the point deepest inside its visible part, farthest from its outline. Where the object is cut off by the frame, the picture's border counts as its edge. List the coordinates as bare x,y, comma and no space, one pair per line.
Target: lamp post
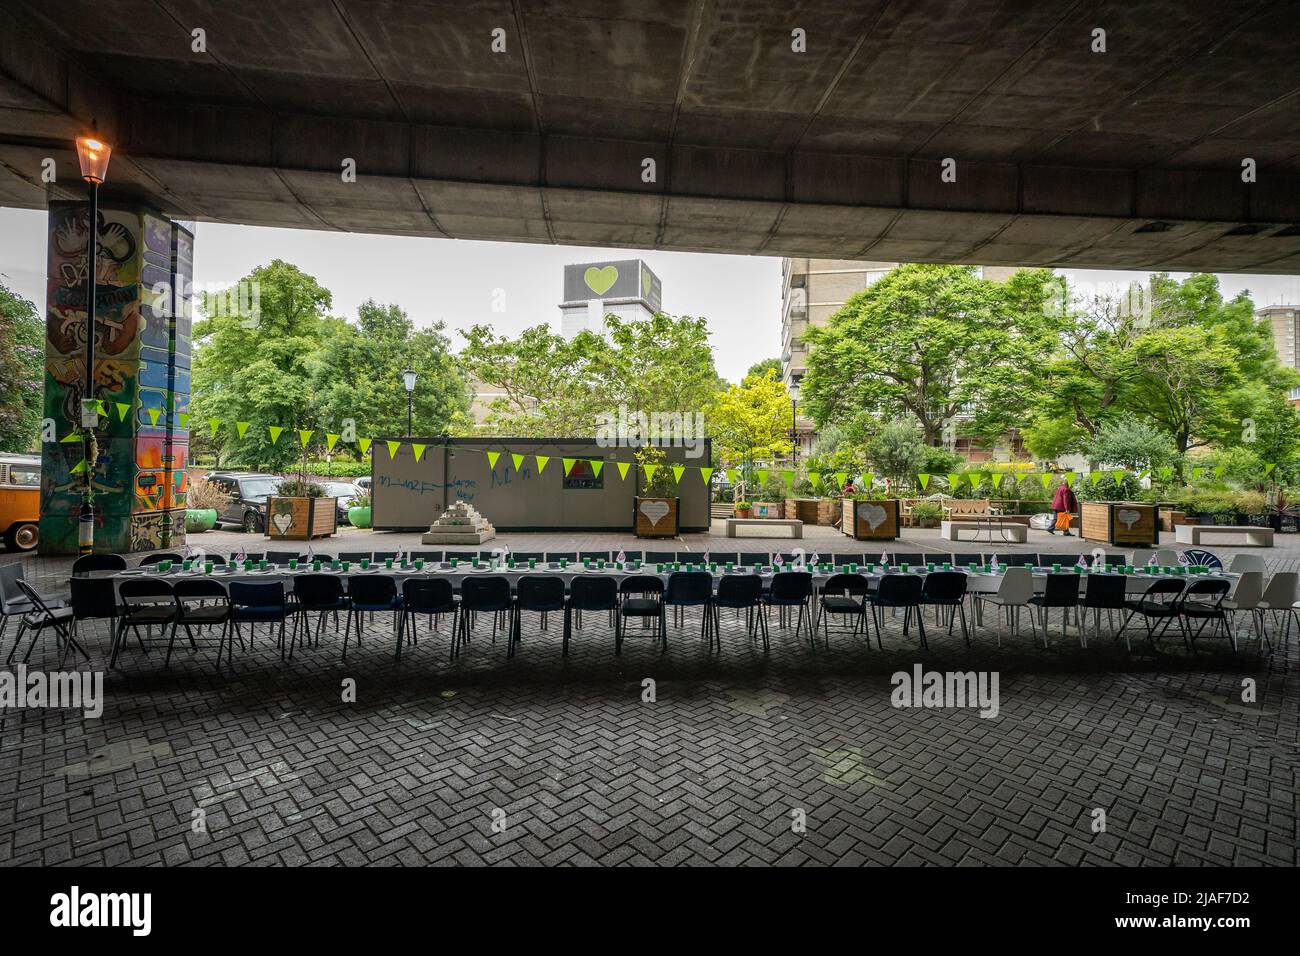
408,378
794,424
92,155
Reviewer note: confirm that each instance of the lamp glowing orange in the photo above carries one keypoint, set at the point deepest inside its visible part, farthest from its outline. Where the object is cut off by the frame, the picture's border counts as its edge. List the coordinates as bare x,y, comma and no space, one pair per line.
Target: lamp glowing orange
93,154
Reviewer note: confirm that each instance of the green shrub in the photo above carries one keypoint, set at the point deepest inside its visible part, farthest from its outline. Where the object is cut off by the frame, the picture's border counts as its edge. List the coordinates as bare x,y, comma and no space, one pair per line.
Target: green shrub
297,488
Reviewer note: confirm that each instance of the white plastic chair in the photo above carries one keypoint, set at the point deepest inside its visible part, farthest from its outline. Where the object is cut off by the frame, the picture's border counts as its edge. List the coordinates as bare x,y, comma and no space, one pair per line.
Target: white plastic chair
1279,598
1013,593
1246,596
1241,563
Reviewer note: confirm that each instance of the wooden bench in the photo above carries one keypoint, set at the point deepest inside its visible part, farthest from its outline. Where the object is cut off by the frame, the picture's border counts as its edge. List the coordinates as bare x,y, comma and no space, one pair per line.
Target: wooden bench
1193,533
966,508
1008,529
794,526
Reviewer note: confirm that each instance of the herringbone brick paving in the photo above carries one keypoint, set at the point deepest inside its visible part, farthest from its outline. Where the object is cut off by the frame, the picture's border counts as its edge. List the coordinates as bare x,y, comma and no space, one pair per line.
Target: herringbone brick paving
586,773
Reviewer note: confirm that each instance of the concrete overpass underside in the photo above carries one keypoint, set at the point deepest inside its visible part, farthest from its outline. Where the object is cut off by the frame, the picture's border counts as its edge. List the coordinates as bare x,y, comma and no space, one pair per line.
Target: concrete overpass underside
1128,158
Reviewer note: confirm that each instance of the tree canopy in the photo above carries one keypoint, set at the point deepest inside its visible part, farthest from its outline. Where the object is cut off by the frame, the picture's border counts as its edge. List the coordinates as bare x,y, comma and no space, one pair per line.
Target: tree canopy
22,372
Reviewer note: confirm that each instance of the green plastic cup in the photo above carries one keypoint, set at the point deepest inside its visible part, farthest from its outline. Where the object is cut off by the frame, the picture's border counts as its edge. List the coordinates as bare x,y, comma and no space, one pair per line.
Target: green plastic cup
293,564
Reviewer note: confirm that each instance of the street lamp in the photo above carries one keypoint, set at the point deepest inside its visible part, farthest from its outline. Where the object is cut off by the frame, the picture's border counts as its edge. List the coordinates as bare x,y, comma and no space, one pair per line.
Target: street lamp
794,425
408,377
92,154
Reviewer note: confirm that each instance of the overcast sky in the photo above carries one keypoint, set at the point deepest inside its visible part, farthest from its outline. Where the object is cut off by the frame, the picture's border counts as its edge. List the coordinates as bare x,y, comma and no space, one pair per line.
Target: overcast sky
454,280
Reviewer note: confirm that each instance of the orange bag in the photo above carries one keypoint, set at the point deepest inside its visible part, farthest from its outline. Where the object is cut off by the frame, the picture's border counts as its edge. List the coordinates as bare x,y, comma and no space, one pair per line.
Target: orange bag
1063,519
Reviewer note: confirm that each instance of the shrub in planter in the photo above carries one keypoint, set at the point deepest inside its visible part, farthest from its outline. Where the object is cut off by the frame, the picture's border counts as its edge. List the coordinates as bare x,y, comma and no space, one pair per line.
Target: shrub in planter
926,514
744,509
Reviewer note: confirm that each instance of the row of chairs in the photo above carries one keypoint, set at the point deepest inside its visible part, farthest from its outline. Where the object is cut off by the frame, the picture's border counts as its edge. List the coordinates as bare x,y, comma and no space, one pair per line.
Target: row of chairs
960,559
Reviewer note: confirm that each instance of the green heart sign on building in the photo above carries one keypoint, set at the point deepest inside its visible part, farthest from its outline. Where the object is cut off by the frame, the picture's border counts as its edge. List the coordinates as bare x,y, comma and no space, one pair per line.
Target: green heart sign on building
600,281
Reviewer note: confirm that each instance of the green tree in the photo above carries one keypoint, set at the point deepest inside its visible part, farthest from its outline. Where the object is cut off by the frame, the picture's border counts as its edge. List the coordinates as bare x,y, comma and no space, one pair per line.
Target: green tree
930,342
22,372
898,451
255,366
751,421
1134,444
357,374
760,368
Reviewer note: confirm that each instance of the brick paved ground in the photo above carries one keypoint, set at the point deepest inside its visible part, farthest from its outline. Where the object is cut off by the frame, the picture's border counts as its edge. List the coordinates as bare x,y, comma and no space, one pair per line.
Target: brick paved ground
710,773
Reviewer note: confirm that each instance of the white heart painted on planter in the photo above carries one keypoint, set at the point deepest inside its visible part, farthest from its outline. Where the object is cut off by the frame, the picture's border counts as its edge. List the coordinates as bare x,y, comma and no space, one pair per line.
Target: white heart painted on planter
874,514
654,510
1128,518
283,521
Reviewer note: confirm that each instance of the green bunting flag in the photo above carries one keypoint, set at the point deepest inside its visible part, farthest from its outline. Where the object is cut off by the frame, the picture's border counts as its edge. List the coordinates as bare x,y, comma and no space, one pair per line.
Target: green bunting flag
1069,478
1046,480
304,435
392,447
330,441
185,419
101,408
1218,470
74,436
153,415
596,465
649,471
1118,475
492,457
996,478
364,445
623,466
706,474
275,431
541,462
419,450
762,476
79,467
954,480
517,460
213,423
1197,472
815,477
867,480
678,471
1268,469
731,476
1095,477
923,481
242,429
123,409
840,478
568,464
1145,473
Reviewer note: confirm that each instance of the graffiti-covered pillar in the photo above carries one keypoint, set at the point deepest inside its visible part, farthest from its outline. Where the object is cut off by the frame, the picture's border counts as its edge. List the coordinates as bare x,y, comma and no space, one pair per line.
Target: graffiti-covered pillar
142,378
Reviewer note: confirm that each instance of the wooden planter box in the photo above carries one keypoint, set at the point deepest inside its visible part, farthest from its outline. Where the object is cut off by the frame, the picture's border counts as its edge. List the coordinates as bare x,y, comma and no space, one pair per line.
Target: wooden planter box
1169,520
820,511
301,519
768,509
1125,523
656,517
871,520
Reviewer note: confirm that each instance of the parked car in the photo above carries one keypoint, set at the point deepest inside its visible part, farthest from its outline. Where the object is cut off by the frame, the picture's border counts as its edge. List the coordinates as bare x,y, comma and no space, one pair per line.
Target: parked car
364,483
343,492
20,501
248,493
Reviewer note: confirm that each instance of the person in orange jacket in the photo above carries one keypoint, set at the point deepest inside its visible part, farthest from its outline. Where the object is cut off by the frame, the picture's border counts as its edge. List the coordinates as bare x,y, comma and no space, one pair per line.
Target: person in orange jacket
1063,502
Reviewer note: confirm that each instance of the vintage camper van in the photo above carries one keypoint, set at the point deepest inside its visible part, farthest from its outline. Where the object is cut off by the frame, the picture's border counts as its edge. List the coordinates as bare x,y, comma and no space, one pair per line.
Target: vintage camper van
20,500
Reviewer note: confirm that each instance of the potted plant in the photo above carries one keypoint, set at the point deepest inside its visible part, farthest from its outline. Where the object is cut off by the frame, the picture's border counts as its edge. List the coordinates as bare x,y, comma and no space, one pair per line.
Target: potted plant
299,511
744,509
204,501
359,511
655,511
926,514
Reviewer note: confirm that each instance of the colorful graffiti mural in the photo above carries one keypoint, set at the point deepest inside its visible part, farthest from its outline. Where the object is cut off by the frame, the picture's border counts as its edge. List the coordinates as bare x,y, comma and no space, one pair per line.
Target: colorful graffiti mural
142,369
